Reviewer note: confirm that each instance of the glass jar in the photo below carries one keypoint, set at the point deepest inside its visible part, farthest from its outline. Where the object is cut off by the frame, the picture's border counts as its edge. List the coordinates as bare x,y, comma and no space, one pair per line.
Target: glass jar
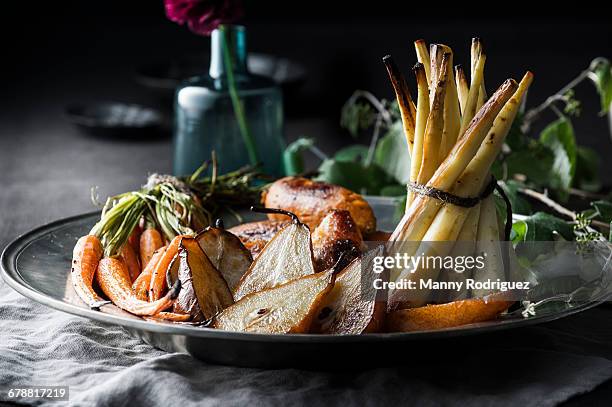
205,118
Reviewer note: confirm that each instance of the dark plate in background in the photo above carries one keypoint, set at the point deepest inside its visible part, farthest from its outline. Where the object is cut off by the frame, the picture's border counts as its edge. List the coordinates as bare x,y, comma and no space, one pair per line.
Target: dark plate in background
119,120
132,121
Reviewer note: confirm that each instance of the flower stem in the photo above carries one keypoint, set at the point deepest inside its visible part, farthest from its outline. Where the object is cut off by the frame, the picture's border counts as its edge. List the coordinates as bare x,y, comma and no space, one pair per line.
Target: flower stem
247,137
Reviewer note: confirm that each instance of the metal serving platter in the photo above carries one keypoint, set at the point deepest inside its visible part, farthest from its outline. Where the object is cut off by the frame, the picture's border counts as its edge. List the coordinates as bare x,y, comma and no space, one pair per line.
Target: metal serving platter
37,265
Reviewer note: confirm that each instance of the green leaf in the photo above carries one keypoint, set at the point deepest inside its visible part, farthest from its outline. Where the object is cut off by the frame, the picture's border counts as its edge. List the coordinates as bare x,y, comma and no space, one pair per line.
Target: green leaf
603,210
603,82
356,152
559,137
519,231
391,154
534,163
400,209
541,227
293,161
393,190
356,117
587,169
354,176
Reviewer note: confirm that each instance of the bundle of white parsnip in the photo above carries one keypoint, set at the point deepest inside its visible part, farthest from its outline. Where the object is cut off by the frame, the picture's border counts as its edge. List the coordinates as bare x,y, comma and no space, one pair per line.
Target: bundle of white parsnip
454,134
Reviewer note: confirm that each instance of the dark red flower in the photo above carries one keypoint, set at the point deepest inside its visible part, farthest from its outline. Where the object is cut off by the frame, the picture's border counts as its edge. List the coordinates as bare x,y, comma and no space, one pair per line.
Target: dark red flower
203,16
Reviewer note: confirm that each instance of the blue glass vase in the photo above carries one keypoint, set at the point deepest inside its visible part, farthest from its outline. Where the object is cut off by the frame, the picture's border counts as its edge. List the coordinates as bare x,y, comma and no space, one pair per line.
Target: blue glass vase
205,116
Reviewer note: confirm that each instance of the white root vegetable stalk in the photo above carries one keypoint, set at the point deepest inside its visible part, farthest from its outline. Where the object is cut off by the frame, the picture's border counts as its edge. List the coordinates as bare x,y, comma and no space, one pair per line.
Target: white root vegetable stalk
455,134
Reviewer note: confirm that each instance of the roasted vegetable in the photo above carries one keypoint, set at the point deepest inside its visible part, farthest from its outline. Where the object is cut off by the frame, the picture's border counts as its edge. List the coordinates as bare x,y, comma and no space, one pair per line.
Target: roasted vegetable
422,113
131,260
422,211
85,257
288,308
158,276
114,280
442,316
434,129
204,292
311,201
336,234
141,285
404,100
422,52
134,239
255,235
449,219
286,257
150,240
351,307
462,87
226,253
488,242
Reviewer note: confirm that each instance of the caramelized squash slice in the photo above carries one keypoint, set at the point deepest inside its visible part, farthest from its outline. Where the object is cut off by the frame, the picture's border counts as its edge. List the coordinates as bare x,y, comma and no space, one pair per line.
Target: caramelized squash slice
448,315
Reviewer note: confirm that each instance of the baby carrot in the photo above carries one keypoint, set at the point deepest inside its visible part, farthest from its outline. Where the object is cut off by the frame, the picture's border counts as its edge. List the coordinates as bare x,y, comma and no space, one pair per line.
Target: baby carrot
114,280
134,238
141,285
131,260
150,240
158,279
85,257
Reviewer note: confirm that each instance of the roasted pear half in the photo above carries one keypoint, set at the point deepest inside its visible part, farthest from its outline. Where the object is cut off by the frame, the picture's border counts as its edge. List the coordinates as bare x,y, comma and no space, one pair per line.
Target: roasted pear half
351,306
288,308
286,257
226,252
204,292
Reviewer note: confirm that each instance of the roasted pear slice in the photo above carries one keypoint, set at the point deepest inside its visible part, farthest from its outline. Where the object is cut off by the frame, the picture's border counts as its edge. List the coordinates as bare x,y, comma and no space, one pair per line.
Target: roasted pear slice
204,292
351,307
226,252
286,257
288,308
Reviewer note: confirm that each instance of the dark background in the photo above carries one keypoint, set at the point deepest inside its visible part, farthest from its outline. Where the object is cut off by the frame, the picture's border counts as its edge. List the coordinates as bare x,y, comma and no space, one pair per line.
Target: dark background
56,53
64,51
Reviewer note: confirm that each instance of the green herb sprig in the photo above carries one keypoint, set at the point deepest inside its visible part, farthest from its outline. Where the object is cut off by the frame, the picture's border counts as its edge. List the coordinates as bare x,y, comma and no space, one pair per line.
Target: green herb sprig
176,206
